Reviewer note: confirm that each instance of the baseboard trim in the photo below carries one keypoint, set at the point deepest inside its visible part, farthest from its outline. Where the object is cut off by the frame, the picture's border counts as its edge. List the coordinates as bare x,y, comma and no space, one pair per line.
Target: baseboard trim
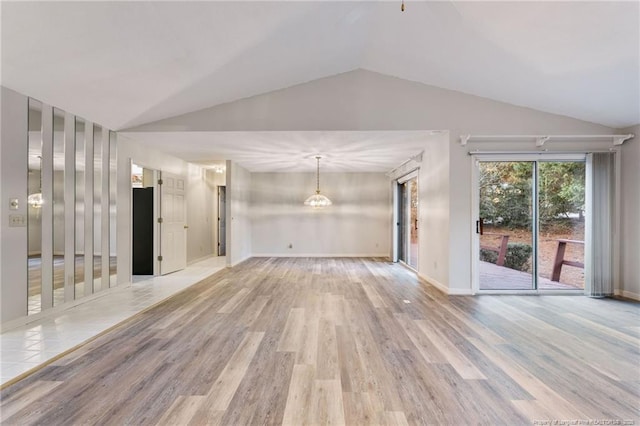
27,319
244,259
200,259
627,294
385,255
444,289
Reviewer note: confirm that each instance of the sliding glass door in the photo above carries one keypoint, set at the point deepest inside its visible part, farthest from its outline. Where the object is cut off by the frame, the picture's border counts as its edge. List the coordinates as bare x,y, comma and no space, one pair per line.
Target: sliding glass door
531,225
506,225
408,221
561,213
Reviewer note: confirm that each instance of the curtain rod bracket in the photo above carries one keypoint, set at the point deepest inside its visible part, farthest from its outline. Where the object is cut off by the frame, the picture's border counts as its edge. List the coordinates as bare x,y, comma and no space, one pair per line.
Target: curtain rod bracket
541,140
620,139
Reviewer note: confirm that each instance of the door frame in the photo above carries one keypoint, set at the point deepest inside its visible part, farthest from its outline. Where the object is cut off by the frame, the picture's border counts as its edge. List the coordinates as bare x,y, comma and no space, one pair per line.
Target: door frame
164,226
397,220
221,212
156,207
475,213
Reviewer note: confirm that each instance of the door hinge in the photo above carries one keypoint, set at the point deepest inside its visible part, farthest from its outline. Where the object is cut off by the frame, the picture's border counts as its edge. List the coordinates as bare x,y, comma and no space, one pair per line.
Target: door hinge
159,220
159,181
159,258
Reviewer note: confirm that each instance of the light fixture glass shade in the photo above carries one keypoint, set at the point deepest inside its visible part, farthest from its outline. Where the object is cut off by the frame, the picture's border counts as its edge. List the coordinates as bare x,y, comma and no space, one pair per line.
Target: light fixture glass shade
317,200
35,200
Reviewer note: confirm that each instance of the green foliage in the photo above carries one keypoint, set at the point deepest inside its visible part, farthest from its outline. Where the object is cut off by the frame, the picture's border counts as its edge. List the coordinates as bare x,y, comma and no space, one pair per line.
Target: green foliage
488,256
561,190
506,192
518,255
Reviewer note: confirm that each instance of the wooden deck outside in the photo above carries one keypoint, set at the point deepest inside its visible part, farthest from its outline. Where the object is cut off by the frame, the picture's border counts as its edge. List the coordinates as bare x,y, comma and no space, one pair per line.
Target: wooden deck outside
494,277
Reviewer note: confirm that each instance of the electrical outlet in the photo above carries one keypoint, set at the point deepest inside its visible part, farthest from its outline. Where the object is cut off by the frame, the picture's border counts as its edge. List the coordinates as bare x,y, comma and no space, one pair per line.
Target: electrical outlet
17,220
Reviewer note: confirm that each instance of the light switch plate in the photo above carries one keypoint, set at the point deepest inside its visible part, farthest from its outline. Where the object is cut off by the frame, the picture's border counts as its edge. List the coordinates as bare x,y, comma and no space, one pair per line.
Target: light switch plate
13,204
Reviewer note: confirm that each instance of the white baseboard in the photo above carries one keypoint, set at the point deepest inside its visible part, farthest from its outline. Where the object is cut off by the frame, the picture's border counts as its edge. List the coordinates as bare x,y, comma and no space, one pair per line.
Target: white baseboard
200,259
446,290
627,294
385,255
18,322
239,261
460,292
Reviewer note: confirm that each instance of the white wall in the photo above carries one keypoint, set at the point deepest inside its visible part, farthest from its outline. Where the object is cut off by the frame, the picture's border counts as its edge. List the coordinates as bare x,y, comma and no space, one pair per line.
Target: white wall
13,184
201,213
357,224
433,224
238,214
364,100
630,218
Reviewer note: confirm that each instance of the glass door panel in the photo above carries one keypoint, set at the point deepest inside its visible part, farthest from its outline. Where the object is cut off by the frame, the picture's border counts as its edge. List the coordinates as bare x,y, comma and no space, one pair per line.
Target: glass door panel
561,211
408,222
506,225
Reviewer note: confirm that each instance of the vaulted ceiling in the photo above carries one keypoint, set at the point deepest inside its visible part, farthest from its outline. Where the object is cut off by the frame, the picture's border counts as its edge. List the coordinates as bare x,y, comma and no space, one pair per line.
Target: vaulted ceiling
122,64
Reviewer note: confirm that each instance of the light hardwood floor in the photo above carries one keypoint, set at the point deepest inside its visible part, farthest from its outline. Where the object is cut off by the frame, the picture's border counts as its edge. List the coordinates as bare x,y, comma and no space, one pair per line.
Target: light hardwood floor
344,341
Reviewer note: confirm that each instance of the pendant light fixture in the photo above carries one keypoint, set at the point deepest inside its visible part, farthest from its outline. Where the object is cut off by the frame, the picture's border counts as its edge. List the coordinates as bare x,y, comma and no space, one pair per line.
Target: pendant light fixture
317,200
35,200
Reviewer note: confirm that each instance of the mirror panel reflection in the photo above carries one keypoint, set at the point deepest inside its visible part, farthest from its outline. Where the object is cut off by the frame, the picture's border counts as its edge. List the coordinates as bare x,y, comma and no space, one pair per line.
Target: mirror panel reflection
84,170
34,208
97,208
58,207
112,209
79,225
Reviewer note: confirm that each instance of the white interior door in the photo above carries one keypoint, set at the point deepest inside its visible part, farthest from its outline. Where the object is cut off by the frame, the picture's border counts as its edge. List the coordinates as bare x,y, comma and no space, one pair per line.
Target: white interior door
173,232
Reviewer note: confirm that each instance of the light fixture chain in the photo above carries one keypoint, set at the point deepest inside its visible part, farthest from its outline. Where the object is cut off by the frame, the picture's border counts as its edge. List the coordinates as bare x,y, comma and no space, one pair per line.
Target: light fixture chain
318,175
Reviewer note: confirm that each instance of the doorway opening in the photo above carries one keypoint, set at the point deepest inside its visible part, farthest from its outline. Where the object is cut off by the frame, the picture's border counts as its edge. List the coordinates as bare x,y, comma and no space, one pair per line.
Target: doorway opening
407,214
222,221
143,230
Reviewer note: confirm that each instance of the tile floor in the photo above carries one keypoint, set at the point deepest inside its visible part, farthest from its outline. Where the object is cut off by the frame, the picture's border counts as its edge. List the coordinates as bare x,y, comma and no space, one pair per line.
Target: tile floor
30,345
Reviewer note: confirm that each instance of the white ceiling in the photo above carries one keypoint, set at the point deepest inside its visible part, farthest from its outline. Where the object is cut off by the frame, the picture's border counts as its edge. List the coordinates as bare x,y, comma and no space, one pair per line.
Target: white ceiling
126,63
293,151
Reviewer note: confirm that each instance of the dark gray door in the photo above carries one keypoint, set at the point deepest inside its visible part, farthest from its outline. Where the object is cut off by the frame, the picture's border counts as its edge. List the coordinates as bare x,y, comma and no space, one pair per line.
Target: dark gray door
222,221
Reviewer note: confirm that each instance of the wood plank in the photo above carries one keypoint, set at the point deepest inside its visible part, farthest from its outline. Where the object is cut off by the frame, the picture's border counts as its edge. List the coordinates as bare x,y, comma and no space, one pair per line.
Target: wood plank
326,403
24,398
234,301
182,410
316,340
294,332
461,363
225,387
299,396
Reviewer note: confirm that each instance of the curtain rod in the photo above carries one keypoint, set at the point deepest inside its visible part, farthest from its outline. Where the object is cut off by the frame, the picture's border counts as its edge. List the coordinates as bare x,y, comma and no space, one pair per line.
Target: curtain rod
540,140
590,151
